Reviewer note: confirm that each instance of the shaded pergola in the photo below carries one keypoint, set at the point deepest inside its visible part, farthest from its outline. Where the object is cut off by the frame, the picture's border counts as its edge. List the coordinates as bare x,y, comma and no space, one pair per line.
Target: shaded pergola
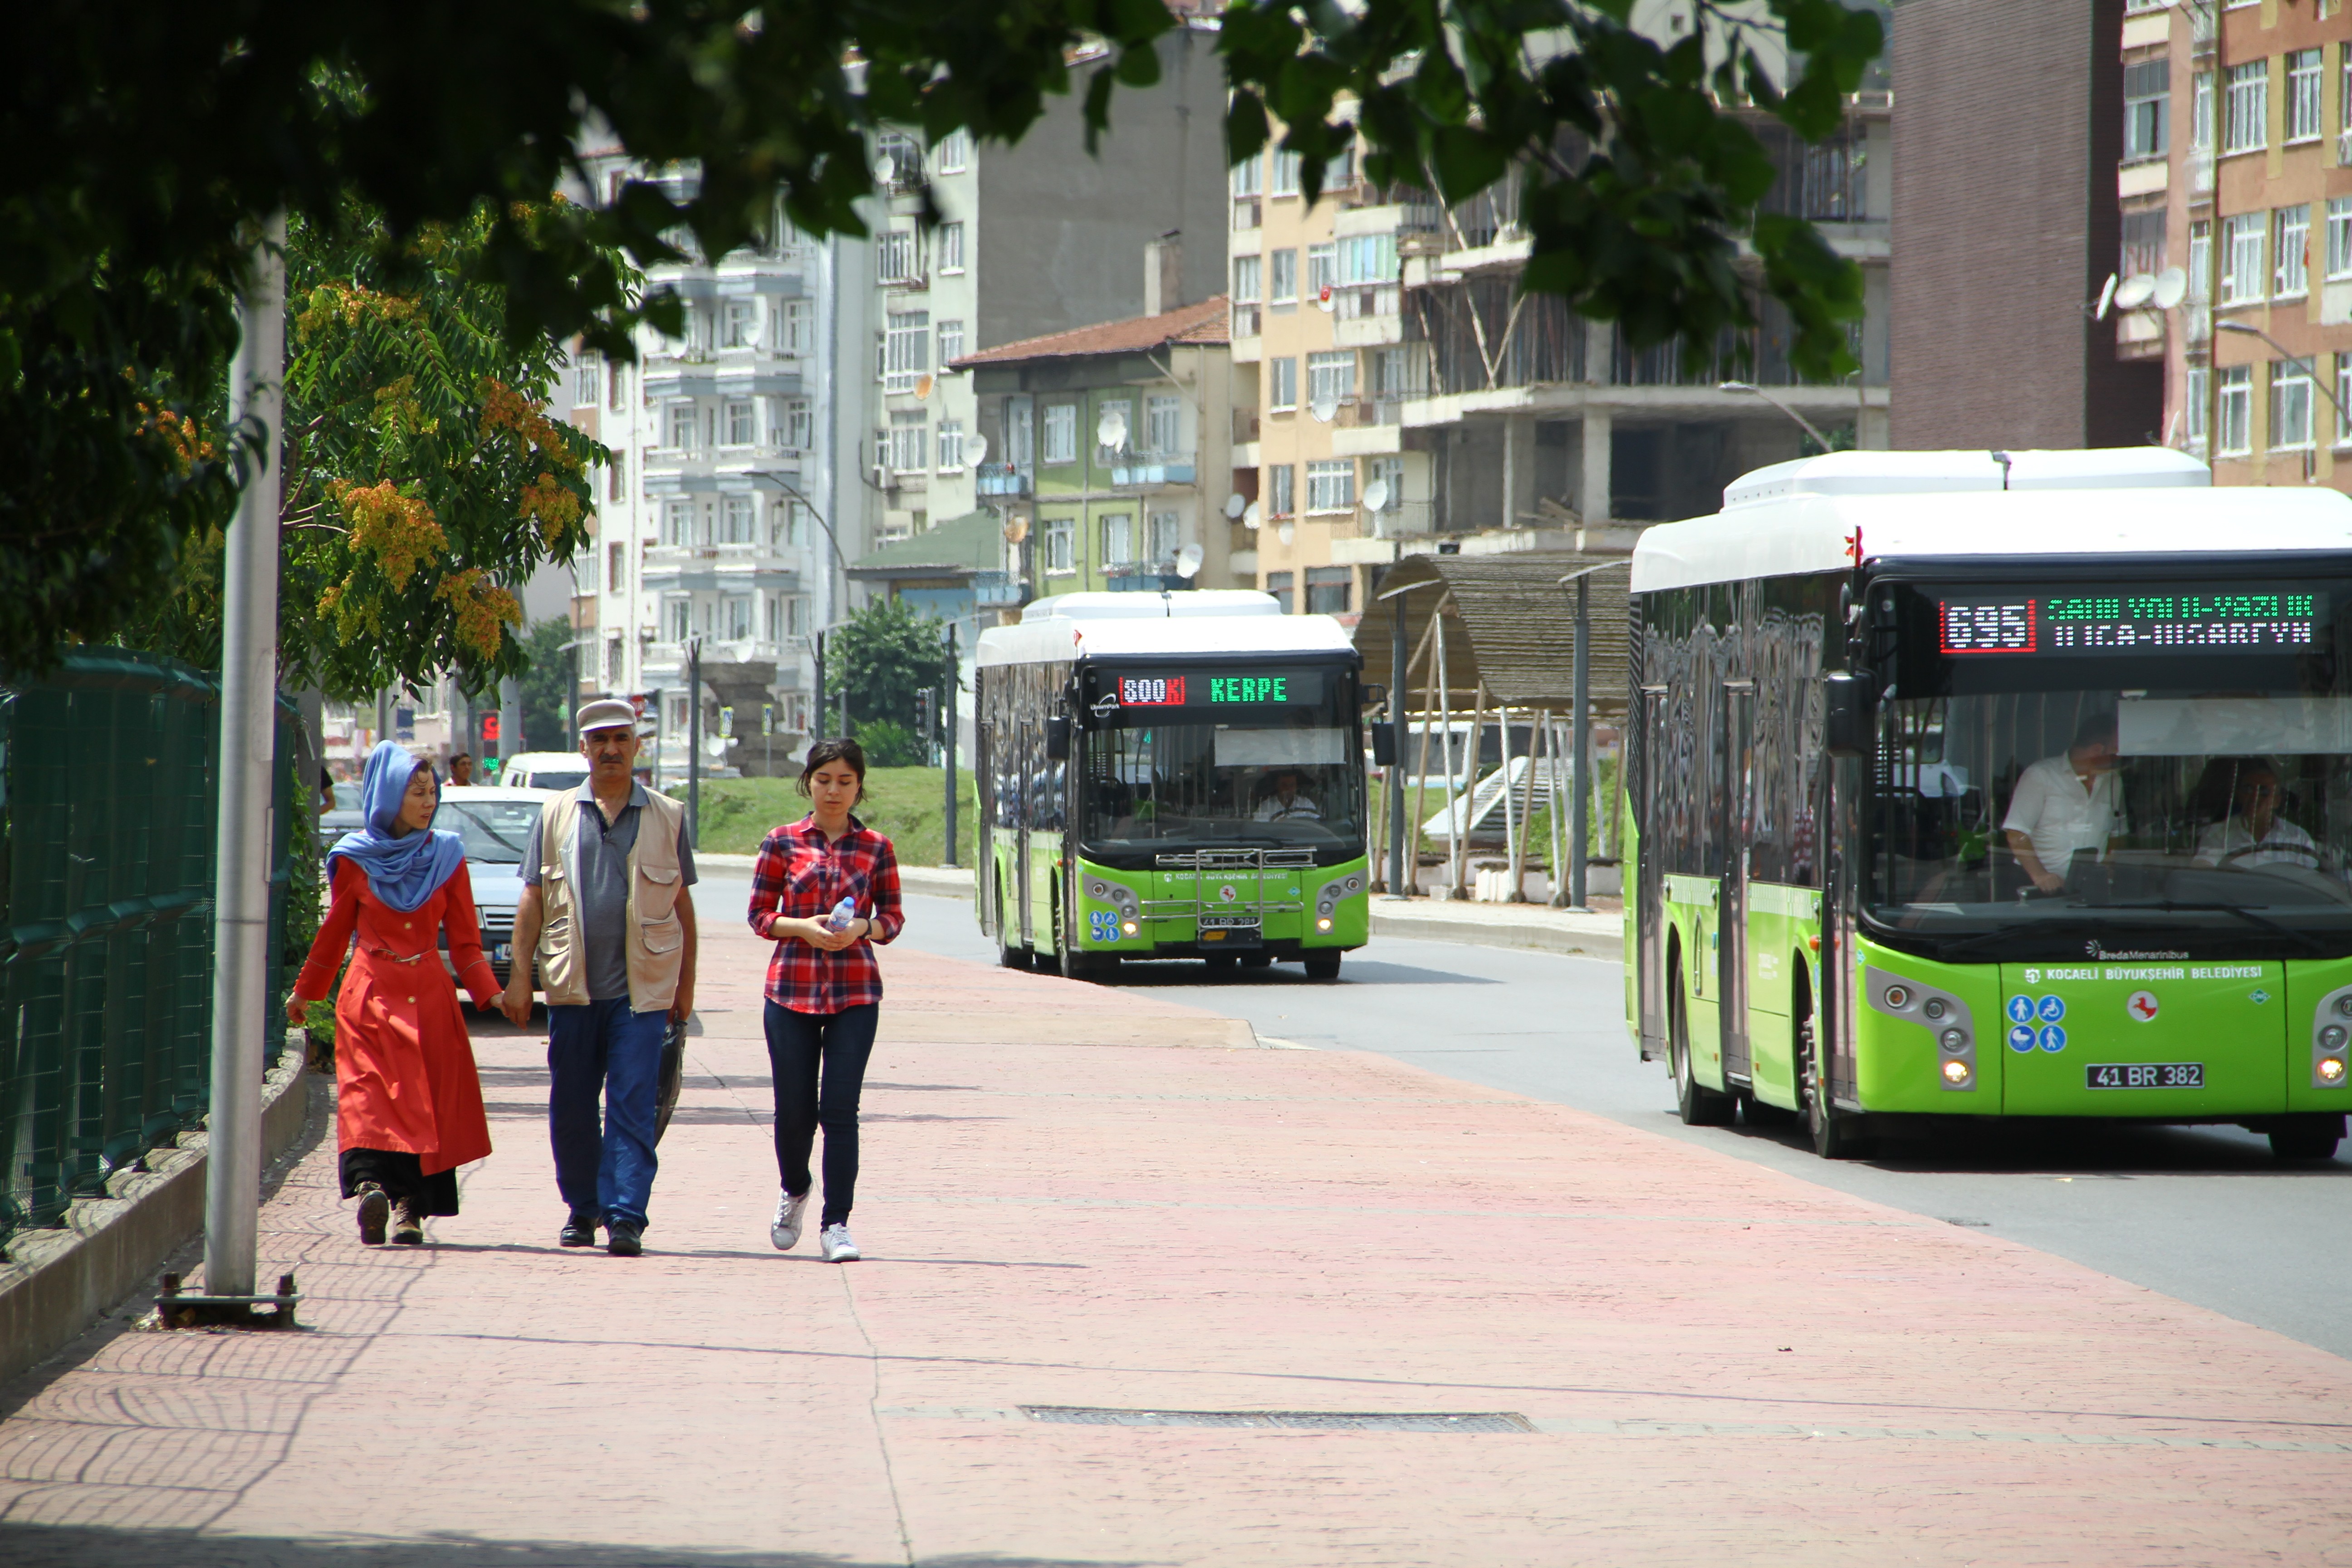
1493,638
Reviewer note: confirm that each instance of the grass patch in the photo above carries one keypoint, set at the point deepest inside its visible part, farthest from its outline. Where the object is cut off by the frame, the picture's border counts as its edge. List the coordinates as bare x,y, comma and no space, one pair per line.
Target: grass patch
902,804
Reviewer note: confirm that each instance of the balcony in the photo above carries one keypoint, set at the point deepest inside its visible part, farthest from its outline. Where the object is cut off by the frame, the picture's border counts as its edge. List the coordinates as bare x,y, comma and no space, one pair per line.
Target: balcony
677,470
735,568
1149,470
1001,479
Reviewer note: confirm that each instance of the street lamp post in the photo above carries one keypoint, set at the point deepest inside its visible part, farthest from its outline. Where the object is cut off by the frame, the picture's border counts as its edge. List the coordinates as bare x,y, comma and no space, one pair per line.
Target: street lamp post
1819,440
2248,330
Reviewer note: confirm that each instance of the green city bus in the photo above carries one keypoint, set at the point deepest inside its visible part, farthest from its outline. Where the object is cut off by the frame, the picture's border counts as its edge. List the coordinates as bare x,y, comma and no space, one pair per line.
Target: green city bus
1973,784
1170,775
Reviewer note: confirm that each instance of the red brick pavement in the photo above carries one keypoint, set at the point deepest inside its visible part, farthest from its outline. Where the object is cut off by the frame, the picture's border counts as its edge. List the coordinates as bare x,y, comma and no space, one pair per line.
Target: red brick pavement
1062,1207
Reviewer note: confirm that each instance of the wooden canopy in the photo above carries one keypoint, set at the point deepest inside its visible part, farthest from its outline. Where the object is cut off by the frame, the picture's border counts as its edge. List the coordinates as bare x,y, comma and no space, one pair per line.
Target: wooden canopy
1511,623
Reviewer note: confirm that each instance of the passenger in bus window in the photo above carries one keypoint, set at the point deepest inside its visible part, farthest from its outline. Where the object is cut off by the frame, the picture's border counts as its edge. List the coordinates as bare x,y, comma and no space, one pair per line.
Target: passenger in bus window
1285,802
2068,804
2247,829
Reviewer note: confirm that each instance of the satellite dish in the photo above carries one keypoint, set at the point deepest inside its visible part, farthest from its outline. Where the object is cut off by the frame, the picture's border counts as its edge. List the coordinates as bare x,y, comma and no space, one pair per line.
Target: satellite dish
1016,531
1286,533
2171,287
2107,298
1323,301
886,169
923,387
1325,409
1188,561
1376,496
975,451
2135,292
715,744
1234,504
1250,515
1110,430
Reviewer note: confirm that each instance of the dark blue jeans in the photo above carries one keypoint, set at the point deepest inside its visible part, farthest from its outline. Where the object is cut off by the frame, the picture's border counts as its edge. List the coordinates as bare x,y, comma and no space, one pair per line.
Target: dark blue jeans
798,1045
604,1164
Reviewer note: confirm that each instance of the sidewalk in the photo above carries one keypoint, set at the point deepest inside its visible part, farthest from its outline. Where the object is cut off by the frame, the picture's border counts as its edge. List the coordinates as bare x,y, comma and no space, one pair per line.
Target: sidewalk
1079,1196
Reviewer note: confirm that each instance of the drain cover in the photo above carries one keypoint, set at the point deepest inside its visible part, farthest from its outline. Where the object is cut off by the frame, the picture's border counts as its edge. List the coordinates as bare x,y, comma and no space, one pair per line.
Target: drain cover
1290,1420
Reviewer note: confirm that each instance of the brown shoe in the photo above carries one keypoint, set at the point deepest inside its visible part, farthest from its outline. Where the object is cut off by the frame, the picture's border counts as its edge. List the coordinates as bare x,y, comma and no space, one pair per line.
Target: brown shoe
374,1209
410,1230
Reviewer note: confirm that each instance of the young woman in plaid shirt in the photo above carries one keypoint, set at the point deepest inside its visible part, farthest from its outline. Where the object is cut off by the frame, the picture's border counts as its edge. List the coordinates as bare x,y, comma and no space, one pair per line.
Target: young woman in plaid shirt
825,992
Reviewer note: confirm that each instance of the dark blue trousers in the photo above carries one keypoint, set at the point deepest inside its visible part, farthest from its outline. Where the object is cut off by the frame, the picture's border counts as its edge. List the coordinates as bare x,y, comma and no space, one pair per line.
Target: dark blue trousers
604,1164
798,1046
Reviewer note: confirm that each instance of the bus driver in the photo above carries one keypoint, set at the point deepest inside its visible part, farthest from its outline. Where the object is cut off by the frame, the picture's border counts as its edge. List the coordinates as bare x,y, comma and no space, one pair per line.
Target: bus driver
2252,833
1287,802
2065,804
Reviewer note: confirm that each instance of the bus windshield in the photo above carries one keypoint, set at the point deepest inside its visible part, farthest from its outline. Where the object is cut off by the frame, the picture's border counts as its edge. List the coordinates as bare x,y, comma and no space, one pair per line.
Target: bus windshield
1287,776
2117,768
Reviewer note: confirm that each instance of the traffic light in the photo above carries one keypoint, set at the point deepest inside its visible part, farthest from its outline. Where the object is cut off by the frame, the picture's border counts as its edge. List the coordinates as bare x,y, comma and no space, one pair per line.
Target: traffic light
926,713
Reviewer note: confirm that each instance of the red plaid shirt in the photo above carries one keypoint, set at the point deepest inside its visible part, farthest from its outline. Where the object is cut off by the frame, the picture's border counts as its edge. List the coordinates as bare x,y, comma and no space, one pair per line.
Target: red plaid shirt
799,876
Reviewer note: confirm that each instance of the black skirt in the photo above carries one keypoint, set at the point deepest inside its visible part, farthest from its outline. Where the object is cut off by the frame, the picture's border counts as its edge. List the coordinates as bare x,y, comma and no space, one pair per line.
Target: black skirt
401,1177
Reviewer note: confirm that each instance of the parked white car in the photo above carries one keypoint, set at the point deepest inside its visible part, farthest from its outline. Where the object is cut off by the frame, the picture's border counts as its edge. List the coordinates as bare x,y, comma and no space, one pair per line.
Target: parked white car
543,771
495,822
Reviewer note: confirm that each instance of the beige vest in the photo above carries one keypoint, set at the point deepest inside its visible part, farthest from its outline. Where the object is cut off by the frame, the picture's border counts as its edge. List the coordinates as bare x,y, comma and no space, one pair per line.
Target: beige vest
654,939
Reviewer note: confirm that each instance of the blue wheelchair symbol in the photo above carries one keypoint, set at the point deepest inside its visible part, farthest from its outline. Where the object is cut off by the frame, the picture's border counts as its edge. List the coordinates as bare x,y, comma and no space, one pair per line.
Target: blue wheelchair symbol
2021,1039
2053,1038
2020,1009
2052,1009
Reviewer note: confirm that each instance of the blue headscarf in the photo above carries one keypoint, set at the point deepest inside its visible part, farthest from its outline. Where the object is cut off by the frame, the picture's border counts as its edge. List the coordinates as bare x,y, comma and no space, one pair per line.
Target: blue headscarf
407,870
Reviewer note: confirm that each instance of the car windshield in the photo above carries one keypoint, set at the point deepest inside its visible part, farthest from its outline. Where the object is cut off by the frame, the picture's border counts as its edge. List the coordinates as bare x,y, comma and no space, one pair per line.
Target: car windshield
493,831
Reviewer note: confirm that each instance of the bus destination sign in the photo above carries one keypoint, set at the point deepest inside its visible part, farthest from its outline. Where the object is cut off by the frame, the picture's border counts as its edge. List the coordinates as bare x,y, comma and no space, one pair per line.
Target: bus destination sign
2140,620
1202,689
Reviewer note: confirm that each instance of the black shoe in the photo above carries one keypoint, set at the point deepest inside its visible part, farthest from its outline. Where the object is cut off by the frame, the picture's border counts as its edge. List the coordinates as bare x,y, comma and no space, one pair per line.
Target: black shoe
408,1225
621,1237
579,1230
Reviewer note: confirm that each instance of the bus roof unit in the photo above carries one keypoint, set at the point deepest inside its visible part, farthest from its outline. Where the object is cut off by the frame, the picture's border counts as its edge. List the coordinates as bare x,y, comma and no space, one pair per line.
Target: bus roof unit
1248,634
1190,603
1832,513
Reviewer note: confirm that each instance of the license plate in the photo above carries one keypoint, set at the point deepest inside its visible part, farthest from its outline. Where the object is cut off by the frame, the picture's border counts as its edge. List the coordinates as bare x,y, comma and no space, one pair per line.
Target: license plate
2147,1075
1229,922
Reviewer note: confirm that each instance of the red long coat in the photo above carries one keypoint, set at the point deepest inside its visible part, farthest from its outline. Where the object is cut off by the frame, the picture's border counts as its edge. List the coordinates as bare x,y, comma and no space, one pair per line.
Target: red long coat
405,1076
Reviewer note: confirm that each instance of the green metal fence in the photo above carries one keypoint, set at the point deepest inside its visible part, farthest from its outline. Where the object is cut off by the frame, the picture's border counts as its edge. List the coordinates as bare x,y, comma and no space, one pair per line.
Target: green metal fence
107,827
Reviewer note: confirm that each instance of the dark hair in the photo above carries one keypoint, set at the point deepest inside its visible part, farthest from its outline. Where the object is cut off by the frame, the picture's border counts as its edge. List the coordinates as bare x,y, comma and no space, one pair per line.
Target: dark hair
839,751
2095,727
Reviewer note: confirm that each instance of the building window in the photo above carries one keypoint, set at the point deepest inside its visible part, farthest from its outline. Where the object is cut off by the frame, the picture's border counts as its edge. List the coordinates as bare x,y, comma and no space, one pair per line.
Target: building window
2237,411
1119,412
1332,486
906,156
1282,277
2245,124
894,255
1368,259
681,426
797,317
950,343
1329,590
797,429
583,574
1281,492
1322,269
2290,405
2242,257
612,387
903,442
1247,271
2291,241
1331,377
1389,471
784,523
1247,173
678,618
1167,537
586,379
2303,79
2200,112
735,521
677,523
1117,540
743,424
1060,533
1279,584
1163,425
2199,385
742,325
1061,439
2343,398
776,618
2201,259
2339,236
616,569
953,154
737,625
951,445
1282,384
616,485
952,247
2147,95
1283,181
906,349
612,670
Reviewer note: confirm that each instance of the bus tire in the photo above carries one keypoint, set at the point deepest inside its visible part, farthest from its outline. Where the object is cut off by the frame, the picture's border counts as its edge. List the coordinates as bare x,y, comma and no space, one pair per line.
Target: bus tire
1008,954
1322,965
1698,1105
1220,962
2307,1137
1832,1130
1255,960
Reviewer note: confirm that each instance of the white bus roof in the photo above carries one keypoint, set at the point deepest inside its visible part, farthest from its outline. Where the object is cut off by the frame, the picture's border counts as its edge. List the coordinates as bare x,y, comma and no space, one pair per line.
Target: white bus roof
1190,603
1057,637
1831,513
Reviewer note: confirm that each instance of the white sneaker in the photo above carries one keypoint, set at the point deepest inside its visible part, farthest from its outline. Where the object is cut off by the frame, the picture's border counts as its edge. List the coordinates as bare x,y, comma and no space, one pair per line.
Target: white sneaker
784,1230
838,1247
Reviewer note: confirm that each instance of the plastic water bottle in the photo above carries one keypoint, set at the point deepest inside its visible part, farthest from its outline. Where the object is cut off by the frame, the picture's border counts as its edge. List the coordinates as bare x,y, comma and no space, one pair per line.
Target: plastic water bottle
843,913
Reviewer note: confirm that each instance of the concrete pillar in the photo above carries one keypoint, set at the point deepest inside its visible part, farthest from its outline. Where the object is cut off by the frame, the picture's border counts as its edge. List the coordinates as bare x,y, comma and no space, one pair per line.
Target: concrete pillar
1593,492
1510,471
1870,430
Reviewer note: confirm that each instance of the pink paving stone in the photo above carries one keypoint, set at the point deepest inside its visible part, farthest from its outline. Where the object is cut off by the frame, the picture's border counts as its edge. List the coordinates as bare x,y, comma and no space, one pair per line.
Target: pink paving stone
1079,1196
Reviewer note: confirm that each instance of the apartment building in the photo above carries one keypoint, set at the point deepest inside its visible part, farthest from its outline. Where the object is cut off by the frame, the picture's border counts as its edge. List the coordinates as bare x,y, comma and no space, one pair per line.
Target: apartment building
2234,199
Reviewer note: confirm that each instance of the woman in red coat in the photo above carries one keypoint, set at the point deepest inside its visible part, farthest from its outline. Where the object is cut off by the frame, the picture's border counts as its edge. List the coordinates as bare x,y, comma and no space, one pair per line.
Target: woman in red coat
408,1103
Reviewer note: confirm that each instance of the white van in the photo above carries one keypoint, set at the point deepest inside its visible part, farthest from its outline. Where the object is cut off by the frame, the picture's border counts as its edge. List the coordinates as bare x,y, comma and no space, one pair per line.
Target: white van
544,770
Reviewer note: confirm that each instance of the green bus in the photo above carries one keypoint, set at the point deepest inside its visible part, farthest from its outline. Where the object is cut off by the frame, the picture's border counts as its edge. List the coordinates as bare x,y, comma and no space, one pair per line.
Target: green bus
1170,775
1975,785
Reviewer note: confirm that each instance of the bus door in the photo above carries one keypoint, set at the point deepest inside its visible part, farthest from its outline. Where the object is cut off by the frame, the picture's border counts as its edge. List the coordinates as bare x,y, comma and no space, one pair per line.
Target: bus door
1650,871
1735,808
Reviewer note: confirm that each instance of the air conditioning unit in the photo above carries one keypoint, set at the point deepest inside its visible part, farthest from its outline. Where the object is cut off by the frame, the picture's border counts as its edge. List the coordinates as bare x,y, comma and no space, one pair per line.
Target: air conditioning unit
881,475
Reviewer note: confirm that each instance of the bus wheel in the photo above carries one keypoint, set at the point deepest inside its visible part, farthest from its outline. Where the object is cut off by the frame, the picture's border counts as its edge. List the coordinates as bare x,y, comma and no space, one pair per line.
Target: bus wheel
1322,965
1257,960
1699,1106
1220,962
2307,1137
1007,955
1833,1130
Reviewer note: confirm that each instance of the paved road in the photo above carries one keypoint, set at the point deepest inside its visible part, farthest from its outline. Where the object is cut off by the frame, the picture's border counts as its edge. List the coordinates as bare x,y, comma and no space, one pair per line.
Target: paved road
2201,1214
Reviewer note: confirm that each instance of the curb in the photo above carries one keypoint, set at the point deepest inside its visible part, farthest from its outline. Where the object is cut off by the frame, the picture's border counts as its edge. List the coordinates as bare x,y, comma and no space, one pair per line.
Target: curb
59,1281
1579,936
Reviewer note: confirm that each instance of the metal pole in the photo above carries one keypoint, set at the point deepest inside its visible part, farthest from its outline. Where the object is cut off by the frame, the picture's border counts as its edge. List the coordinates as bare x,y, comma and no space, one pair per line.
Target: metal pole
511,742
1400,884
955,674
247,752
694,739
816,708
1582,724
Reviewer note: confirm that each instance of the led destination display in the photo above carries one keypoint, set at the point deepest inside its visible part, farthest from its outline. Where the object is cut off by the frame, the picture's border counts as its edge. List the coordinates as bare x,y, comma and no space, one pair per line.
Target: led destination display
1207,689
2136,620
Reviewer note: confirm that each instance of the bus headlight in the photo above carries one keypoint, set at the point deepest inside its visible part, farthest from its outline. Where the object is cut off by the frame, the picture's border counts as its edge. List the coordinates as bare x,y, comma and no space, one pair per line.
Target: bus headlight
1324,923
2332,1037
2343,1005
1898,997
1933,1008
1954,1039
2330,1071
1130,928
1956,1073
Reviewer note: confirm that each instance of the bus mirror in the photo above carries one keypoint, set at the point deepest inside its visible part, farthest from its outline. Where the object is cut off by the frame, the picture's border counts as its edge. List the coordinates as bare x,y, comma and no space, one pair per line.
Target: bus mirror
1384,746
1845,715
1057,738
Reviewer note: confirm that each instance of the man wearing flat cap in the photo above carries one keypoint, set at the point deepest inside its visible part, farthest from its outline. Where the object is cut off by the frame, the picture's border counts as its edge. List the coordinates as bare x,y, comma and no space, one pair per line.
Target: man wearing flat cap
605,906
